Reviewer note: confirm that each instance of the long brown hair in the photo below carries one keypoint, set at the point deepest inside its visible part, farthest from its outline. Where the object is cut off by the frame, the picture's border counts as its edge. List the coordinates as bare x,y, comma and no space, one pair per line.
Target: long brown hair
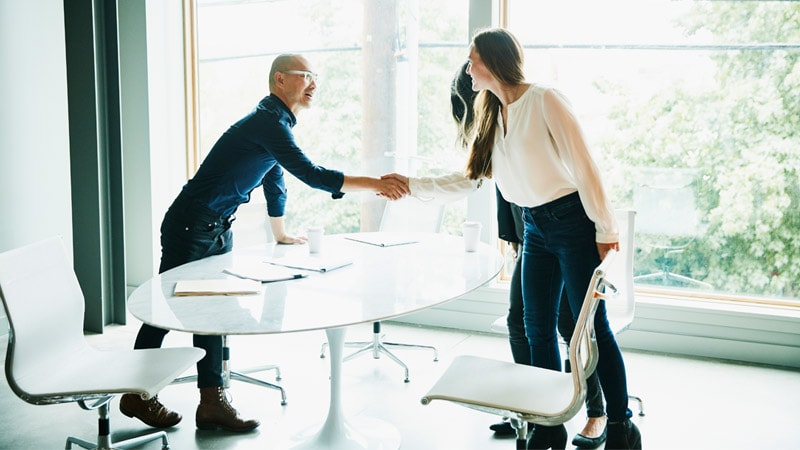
462,99
503,56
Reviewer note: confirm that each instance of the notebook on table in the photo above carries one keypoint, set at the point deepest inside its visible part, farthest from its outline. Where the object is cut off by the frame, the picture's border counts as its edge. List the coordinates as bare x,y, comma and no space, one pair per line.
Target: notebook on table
226,286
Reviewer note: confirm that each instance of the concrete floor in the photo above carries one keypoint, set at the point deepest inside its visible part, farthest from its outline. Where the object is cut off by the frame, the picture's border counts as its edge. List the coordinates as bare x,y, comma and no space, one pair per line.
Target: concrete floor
689,403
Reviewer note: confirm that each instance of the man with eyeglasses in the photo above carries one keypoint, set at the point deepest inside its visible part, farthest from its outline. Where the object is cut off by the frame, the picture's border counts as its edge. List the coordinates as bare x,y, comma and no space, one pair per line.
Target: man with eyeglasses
253,152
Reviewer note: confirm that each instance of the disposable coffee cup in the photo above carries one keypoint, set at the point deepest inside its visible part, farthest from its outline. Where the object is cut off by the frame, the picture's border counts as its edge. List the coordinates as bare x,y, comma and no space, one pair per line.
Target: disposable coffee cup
314,234
472,235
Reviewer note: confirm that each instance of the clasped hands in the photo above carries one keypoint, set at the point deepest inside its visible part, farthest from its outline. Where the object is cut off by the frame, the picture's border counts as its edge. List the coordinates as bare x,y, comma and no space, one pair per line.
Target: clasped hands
393,186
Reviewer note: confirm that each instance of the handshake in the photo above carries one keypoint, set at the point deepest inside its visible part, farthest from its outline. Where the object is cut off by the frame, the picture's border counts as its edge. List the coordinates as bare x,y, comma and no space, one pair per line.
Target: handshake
392,186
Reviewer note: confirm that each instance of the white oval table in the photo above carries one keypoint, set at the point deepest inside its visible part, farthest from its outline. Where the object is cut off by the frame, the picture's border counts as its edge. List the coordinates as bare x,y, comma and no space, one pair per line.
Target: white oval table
380,284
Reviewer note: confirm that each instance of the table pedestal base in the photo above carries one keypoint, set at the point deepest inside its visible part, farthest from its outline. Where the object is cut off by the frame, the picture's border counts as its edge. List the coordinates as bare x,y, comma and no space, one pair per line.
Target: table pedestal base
352,434
342,433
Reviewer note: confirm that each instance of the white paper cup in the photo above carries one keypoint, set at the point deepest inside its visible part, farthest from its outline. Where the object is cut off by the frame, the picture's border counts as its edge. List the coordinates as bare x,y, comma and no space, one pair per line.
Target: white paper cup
314,234
472,235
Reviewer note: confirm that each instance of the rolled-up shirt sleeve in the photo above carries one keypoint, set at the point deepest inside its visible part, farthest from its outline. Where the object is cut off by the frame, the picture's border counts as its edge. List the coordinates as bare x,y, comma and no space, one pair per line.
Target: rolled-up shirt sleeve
443,189
274,188
571,143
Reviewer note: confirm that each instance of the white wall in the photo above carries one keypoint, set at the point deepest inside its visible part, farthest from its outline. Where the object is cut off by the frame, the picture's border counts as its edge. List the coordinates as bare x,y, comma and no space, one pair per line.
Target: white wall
35,199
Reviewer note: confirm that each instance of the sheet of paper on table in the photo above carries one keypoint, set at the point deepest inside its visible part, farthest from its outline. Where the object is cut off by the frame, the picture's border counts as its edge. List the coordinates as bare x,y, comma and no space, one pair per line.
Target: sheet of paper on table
383,239
317,263
264,273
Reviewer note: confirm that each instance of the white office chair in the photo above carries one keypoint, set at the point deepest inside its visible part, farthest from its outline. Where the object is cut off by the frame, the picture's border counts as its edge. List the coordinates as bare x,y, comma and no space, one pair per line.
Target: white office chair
668,220
526,393
48,359
621,311
405,215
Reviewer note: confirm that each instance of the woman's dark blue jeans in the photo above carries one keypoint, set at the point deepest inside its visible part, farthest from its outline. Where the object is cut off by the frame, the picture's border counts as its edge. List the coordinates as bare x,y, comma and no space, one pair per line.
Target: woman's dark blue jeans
521,349
190,232
560,252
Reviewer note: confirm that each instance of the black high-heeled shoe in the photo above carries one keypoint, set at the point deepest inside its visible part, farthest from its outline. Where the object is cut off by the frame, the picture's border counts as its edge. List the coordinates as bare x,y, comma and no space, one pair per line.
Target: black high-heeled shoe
582,441
544,437
623,435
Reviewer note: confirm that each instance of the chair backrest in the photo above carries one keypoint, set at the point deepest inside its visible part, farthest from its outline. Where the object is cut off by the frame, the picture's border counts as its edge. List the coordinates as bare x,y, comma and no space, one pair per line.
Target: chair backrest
411,214
529,393
620,310
665,200
44,305
583,353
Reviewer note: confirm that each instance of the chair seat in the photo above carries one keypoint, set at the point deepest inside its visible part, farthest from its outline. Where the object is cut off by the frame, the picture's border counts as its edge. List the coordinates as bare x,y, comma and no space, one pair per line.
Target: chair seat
504,388
94,372
525,393
500,325
49,361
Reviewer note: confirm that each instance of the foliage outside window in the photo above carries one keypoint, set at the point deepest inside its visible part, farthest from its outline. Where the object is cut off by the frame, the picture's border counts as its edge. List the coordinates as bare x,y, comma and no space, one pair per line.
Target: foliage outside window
709,91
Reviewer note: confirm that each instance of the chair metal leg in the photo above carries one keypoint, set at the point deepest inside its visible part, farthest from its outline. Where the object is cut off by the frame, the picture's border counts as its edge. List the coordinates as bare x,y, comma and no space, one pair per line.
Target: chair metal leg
244,378
666,276
80,443
105,444
137,441
381,349
228,374
378,347
264,368
324,347
104,433
521,429
641,403
430,347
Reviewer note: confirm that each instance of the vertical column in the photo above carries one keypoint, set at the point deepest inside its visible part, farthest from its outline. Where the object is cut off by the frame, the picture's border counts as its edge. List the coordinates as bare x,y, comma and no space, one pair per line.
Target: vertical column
96,158
379,125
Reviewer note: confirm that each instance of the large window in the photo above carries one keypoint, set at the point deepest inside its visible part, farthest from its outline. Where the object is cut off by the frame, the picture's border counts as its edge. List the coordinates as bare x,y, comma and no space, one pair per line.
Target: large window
382,104
692,108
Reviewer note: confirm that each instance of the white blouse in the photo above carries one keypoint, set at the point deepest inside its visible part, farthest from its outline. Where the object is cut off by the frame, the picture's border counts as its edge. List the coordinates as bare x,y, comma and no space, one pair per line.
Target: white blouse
543,156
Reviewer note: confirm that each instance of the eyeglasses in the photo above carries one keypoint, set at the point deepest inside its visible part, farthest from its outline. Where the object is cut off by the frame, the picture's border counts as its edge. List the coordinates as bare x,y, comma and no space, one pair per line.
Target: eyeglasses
307,75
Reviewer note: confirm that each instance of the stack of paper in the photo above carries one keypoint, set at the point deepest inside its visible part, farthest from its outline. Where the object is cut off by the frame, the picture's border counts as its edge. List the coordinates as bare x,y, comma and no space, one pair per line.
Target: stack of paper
228,286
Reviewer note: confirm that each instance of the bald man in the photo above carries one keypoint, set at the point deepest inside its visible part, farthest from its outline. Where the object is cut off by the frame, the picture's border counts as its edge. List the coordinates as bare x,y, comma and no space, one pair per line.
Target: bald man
253,152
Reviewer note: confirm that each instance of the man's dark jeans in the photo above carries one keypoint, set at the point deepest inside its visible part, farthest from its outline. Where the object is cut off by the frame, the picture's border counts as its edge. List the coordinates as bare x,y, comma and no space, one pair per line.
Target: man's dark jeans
188,233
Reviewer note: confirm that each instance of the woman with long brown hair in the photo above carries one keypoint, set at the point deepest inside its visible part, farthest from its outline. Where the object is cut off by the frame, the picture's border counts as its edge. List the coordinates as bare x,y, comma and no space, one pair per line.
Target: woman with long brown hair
528,140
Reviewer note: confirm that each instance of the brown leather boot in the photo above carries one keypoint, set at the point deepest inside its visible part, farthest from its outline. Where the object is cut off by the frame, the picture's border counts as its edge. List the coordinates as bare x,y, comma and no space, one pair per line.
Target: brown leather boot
214,412
151,412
